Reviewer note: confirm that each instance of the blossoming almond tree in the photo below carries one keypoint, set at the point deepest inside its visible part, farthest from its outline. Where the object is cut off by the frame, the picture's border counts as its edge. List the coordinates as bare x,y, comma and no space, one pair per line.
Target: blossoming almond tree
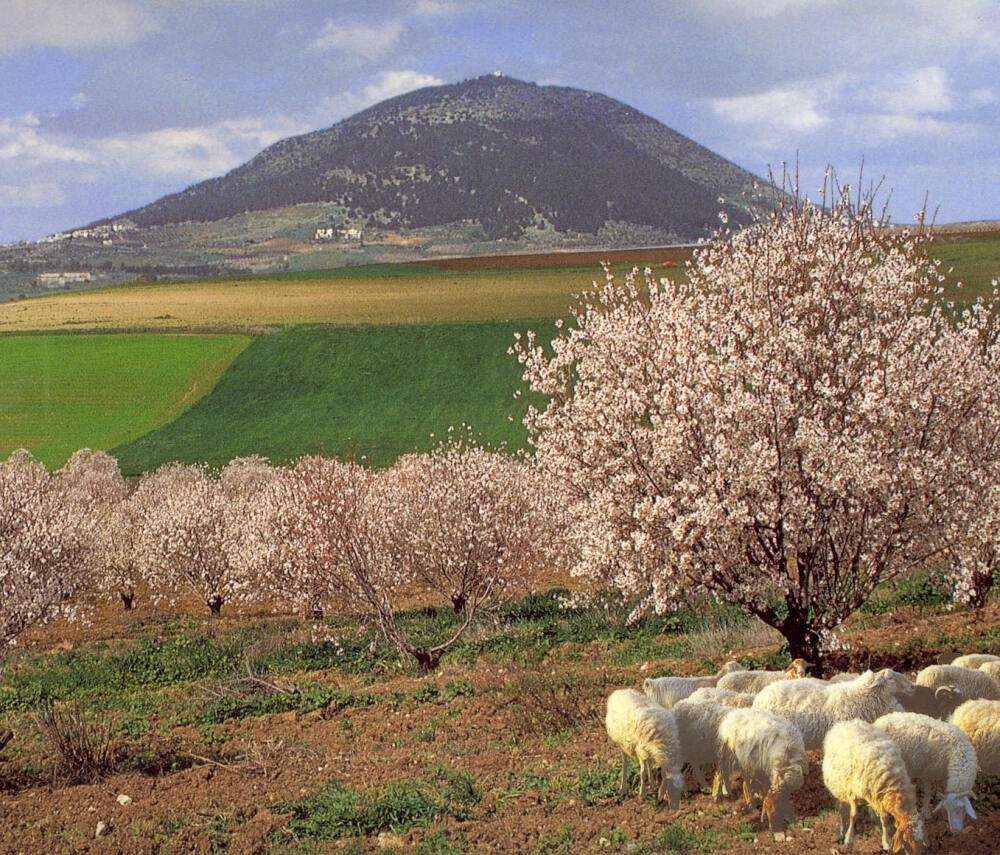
113,525
195,536
470,523
801,418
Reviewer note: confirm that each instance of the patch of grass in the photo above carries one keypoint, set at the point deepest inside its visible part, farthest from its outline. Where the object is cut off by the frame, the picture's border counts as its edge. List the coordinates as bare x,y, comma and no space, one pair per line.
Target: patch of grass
676,838
330,699
557,842
64,392
336,811
376,392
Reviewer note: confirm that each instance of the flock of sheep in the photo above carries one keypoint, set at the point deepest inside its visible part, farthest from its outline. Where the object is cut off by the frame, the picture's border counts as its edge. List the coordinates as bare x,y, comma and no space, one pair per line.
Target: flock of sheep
880,734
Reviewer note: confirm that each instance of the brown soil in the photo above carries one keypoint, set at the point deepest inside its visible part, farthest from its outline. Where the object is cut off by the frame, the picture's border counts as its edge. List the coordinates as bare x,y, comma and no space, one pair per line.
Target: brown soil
224,801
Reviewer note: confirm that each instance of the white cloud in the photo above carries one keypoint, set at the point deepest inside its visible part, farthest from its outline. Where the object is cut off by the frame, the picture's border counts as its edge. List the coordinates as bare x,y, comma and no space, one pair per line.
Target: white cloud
34,194
392,83
794,107
434,7
194,154
333,108
364,40
71,23
764,8
914,92
23,141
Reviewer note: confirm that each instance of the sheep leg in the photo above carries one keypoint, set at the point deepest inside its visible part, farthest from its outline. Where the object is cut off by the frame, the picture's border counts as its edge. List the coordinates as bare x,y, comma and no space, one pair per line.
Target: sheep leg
886,822
643,774
925,811
845,814
849,836
624,789
699,776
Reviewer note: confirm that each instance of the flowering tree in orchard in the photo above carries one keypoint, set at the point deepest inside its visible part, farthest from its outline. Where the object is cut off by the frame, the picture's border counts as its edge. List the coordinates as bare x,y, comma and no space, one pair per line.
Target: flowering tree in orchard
44,540
308,523
801,418
195,535
462,523
94,479
470,523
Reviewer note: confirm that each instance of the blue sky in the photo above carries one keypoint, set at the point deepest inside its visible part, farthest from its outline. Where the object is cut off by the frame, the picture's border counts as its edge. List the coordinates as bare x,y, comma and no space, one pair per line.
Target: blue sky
108,104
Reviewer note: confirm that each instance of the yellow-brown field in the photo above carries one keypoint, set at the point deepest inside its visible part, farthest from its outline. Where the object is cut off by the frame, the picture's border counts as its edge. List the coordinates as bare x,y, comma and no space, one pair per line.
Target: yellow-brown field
424,296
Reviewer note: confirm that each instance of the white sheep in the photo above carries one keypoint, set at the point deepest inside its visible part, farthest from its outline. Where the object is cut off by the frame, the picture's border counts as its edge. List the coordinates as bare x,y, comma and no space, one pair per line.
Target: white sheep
992,670
973,660
980,721
936,754
754,681
722,696
645,731
667,691
698,730
862,764
971,682
770,753
814,705
846,677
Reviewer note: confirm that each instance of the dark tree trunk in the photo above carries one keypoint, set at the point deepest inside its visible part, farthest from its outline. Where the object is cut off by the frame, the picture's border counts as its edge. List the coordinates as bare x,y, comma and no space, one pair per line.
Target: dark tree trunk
458,602
428,659
215,605
803,640
984,583
127,598
314,612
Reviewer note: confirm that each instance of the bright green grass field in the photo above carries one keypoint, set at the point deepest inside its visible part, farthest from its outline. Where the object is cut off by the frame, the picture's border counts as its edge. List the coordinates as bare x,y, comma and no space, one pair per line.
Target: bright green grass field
64,392
369,391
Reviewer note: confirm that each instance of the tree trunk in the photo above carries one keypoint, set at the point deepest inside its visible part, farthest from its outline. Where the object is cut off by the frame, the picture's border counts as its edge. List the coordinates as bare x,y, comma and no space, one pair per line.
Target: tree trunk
458,602
803,639
214,603
428,659
127,598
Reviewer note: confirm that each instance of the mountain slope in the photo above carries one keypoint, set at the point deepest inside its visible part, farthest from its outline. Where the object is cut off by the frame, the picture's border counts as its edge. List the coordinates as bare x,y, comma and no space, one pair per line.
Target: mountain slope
507,155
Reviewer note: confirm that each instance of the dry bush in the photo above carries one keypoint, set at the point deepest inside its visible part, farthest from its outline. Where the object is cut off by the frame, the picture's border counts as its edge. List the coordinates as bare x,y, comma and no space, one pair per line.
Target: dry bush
548,703
83,745
731,636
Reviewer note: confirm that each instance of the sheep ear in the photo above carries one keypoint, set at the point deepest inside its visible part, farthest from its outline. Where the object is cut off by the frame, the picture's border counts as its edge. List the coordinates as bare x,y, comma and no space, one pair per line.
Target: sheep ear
646,684
968,808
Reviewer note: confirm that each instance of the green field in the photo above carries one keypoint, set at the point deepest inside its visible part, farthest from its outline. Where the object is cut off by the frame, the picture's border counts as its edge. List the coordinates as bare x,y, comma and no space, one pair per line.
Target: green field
64,392
373,391
432,354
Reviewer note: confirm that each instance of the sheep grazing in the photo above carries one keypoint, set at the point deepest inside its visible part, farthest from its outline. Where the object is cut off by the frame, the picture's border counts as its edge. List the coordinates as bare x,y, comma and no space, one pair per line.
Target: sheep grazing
754,681
770,753
814,705
722,696
862,764
980,721
667,691
972,683
647,732
973,660
936,754
698,729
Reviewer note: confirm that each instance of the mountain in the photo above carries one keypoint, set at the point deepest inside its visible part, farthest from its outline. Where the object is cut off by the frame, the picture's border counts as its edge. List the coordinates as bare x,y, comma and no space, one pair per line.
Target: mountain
511,158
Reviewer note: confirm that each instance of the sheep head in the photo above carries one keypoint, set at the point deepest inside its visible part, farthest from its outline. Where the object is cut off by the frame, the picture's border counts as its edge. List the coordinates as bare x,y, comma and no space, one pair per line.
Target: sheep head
671,786
798,668
957,806
909,838
948,698
898,683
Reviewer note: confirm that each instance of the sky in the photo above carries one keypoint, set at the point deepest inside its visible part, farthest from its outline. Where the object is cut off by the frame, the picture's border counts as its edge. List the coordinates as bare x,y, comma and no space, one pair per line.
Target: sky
106,105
